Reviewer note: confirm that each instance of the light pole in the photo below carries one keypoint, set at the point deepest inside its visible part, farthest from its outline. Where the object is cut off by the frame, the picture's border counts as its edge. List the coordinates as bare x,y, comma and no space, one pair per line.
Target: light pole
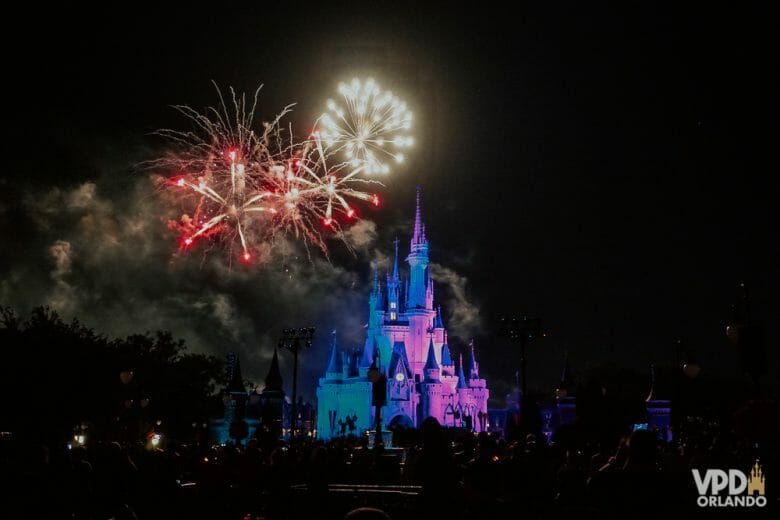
293,340
747,335
378,399
522,330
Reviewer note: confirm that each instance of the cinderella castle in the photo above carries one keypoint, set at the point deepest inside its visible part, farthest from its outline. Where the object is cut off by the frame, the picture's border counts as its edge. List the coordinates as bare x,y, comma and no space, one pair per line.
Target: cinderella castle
406,340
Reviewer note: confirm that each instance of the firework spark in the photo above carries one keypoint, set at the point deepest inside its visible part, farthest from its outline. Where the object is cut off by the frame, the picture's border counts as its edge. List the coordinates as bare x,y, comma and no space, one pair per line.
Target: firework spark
242,189
370,129
219,168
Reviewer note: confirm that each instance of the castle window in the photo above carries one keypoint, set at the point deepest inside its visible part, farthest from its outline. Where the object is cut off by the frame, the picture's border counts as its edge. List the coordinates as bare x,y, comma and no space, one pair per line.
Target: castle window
392,316
392,305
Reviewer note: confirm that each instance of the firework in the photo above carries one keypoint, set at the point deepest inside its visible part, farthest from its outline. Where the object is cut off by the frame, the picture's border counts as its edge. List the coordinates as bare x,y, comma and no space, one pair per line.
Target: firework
242,189
369,129
219,167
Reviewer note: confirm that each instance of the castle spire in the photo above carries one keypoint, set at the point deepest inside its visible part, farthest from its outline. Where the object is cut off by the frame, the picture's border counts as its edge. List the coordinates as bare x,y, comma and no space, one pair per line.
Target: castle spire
395,262
419,228
437,322
461,377
474,366
420,295
430,363
652,383
335,366
273,380
566,374
446,359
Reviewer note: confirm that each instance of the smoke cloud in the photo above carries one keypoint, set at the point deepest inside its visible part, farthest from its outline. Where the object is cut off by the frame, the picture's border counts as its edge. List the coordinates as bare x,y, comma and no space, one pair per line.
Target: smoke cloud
109,260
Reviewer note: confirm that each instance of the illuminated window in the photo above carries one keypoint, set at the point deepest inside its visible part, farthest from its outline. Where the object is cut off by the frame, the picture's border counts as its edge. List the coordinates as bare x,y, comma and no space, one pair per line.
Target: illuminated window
392,305
392,316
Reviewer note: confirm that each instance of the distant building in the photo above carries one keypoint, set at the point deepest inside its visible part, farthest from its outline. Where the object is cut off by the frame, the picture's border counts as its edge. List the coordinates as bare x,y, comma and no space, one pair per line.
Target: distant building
562,409
250,413
407,341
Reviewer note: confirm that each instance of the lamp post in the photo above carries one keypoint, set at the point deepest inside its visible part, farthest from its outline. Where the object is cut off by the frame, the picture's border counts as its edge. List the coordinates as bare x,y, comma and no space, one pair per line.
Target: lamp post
378,399
522,330
686,369
293,340
747,335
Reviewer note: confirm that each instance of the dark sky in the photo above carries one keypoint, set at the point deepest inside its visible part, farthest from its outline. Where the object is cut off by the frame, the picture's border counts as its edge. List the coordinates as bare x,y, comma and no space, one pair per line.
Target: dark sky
605,168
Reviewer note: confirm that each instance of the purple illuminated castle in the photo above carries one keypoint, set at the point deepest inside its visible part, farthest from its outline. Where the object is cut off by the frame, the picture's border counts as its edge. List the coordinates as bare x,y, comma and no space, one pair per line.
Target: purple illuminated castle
407,340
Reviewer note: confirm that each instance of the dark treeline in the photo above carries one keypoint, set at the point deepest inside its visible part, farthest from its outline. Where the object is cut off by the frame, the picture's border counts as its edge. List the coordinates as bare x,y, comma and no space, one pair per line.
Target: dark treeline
63,378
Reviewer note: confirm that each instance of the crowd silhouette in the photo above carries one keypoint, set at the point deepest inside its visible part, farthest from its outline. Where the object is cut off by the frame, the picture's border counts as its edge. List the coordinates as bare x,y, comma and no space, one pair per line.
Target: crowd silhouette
444,473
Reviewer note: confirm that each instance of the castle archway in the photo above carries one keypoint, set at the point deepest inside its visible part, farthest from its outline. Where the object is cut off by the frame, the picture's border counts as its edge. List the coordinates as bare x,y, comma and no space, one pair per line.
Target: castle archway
400,422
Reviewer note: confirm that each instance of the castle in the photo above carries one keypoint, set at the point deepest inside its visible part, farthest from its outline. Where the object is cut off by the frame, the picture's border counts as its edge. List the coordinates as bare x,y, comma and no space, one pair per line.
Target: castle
407,341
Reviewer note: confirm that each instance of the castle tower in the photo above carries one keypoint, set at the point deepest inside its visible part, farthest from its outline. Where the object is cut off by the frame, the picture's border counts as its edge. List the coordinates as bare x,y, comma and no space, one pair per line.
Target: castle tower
431,388
272,399
431,367
234,397
419,310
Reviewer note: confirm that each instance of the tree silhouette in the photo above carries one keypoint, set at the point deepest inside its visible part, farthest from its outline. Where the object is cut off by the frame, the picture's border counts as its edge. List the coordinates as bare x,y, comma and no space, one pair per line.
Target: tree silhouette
59,375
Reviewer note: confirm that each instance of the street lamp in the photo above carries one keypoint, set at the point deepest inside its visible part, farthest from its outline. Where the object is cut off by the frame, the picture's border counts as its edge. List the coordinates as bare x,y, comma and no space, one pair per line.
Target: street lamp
747,335
522,330
293,340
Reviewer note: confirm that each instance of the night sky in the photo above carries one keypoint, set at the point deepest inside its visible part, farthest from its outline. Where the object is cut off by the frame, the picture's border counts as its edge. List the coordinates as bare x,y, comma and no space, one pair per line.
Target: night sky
605,169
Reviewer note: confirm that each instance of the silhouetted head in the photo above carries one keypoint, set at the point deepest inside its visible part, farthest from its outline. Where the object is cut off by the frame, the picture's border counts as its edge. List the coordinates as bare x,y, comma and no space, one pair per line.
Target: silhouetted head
642,447
367,513
432,432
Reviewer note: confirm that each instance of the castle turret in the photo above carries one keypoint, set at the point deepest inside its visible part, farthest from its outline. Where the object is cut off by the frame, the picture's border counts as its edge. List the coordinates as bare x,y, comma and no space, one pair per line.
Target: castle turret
431,368
272,399
473,365
431,388
273,380
335,366
462,383
447,364
235,400
437,321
